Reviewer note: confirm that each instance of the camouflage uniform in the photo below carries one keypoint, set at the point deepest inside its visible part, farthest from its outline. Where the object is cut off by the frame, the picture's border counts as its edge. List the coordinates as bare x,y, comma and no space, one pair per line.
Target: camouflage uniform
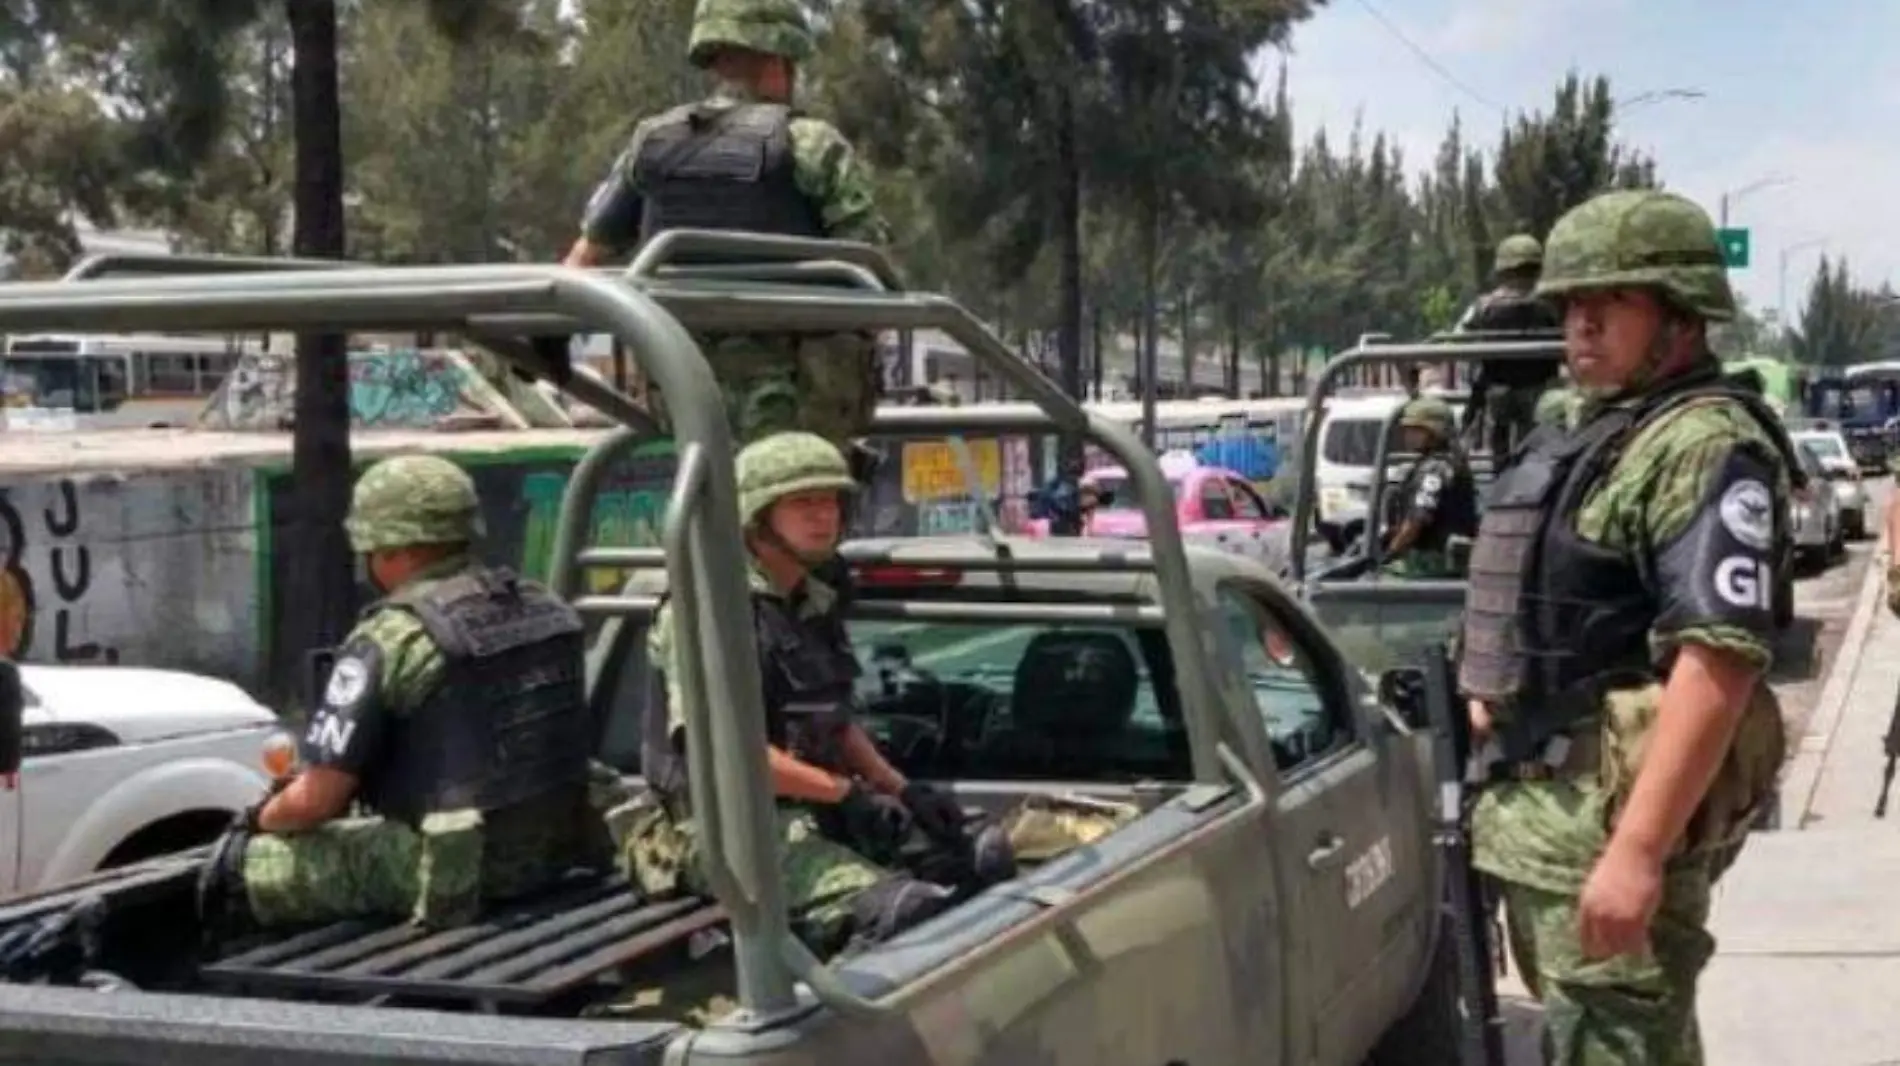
1542,833
440,870
825,384
1440,491
833,891
1557,406
1509,391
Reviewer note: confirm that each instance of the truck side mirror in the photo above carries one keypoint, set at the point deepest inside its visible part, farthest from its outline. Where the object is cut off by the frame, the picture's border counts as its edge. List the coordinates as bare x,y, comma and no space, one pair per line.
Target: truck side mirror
1402,688
12,717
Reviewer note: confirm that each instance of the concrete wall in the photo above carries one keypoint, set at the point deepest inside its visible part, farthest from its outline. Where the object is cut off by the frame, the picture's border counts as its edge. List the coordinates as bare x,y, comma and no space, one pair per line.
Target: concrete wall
149,567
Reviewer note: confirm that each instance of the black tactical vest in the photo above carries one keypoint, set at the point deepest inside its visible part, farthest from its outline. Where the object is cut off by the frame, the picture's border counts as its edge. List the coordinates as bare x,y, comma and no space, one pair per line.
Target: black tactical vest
724,168
1552,620
1457,514
509,720
1505,310
809,674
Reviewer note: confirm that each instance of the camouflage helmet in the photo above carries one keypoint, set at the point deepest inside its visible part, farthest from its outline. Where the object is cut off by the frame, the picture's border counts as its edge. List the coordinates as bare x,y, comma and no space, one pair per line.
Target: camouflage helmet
1640,238
412,499
1429,412
1518,251
774,27
774,467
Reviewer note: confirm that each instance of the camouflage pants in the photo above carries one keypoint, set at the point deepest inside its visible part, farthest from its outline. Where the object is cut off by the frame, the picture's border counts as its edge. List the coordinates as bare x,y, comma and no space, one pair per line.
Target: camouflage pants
660,854
367,867
1624,1011
826,385
1421,565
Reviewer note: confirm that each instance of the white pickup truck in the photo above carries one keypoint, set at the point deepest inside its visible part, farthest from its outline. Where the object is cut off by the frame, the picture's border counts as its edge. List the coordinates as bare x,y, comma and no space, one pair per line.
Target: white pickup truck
121,764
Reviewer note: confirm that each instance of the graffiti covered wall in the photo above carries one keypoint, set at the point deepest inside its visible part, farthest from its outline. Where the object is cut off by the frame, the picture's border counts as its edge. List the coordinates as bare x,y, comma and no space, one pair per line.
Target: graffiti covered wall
402,388
149,568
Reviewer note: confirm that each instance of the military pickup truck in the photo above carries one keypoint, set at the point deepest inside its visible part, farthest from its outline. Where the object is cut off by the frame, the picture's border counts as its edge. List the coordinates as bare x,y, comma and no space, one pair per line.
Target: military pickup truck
1267,890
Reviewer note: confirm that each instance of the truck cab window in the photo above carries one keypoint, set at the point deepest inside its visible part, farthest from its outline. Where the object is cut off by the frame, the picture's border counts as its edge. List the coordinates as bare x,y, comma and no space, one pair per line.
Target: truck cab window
1288,690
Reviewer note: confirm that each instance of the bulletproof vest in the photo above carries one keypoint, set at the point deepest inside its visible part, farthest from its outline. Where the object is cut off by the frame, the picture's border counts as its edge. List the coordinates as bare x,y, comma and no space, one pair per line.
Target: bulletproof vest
724,168
1457,514
1505,310
809,675
509,720
1552,620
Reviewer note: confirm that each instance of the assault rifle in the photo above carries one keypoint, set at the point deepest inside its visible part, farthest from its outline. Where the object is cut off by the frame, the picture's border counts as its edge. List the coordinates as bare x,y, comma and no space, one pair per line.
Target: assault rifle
1466,905
1893,756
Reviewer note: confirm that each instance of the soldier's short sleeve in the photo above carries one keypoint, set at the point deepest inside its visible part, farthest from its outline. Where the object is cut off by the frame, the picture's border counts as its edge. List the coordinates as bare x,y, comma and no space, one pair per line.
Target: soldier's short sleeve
1434,477
661,662
829,171
1711,527
350,729
612,217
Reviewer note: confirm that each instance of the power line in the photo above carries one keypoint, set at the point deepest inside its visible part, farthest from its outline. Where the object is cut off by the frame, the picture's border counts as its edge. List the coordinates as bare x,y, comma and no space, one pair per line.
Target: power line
1426,58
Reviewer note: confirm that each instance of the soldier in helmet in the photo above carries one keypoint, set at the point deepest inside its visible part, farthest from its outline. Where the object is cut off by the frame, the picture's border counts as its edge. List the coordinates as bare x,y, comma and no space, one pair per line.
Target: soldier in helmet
850,820
1438,499
455,714
746,159
1616,635
1506,391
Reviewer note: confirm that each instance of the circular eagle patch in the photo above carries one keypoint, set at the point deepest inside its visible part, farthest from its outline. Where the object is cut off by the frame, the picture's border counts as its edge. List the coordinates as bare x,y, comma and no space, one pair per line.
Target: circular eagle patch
348,679
1748,513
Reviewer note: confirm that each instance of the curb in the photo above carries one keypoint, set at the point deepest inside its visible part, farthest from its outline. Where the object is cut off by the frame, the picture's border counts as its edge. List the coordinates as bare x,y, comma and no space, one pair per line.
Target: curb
1803,775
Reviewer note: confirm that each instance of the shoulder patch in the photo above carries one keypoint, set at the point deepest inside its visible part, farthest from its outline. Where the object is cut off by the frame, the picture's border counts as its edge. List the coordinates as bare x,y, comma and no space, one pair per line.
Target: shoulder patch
348,680
1747,509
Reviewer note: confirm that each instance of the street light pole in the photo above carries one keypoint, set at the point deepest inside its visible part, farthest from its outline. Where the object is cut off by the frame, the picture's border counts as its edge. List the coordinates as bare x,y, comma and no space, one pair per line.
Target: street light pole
1753,186
1631,103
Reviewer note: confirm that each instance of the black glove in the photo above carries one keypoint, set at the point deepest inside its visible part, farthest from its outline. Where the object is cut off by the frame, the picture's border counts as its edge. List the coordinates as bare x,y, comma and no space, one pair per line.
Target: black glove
938,813
875,825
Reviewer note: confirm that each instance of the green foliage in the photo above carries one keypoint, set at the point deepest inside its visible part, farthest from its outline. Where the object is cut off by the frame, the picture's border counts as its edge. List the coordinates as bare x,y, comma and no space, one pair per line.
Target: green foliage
1843,323
1082,173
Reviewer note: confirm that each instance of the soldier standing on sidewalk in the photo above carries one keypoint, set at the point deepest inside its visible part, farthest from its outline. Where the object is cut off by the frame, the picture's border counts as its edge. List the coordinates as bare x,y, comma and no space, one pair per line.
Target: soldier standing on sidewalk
1617,632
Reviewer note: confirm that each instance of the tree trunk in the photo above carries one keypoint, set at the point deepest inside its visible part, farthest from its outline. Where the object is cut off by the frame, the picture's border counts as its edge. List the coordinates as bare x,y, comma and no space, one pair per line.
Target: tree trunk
1150,314
322,581
1098,358
1233,351
1187,343
1069,313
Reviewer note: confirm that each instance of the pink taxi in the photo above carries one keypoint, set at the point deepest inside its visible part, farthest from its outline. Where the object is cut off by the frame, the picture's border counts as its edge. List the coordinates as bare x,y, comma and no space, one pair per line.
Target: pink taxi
1215,507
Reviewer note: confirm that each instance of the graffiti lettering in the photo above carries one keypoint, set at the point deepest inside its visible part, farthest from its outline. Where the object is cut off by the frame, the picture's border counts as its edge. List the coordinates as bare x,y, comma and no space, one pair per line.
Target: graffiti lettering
406,388
624,517
69,565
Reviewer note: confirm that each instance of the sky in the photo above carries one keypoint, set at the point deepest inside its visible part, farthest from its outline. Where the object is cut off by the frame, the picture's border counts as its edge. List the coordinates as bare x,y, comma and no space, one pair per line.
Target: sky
1803,92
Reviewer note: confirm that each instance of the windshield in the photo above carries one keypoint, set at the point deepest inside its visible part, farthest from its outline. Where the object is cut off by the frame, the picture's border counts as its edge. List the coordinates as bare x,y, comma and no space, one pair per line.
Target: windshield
1824,447
1124,496
1351,441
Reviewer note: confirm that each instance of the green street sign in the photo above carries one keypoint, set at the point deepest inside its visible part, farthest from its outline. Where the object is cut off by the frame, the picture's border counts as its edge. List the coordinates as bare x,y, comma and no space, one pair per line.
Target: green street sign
1734,248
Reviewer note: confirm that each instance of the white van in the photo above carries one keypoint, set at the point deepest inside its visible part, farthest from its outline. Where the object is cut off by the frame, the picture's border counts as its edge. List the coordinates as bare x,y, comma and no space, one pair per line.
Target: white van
1348,445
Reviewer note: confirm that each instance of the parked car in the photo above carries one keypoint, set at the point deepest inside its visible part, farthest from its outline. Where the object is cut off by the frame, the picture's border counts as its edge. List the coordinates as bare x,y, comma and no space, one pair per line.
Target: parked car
1215,507
1814,515
1839,467
122,764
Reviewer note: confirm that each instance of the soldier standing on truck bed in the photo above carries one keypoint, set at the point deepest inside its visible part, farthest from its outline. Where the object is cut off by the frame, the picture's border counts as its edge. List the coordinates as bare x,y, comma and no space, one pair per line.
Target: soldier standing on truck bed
1506,391
1616,636
1438,499
455,712
845,813
745,159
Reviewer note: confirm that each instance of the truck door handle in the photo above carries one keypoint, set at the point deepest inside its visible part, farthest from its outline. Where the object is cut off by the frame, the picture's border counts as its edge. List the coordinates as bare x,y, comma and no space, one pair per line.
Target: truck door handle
1330,847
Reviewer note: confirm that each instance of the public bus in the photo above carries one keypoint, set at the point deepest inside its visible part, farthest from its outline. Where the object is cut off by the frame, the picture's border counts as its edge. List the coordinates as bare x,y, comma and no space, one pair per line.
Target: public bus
91,373
1785,385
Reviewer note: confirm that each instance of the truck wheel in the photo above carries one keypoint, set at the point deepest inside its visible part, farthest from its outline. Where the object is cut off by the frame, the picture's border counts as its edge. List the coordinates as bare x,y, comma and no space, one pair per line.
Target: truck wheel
1430,1029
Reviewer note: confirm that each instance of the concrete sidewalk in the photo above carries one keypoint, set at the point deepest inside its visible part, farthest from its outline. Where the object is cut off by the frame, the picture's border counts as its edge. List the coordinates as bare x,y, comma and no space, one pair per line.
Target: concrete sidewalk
1807,966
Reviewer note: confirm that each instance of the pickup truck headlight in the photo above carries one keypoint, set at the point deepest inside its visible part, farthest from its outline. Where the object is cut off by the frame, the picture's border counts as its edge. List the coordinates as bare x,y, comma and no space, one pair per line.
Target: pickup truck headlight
279,756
